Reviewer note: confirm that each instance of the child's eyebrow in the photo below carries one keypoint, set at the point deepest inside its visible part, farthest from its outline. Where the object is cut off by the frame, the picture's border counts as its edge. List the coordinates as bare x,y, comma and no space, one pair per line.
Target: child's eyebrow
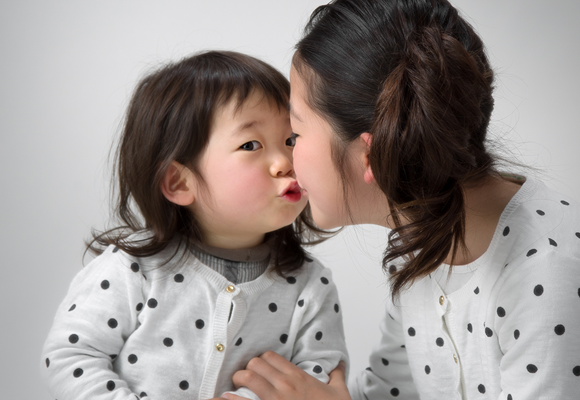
246,125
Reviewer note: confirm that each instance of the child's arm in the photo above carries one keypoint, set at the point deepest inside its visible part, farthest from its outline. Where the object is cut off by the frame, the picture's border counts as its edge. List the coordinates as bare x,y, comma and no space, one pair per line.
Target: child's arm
320,343
90,327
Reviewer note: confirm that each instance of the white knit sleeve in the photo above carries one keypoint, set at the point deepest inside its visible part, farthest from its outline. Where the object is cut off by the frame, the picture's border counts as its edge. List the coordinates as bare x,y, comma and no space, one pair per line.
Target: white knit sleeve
91,325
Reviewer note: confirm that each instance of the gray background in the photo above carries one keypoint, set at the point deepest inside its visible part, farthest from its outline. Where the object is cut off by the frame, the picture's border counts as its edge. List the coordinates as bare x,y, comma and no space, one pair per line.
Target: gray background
68,69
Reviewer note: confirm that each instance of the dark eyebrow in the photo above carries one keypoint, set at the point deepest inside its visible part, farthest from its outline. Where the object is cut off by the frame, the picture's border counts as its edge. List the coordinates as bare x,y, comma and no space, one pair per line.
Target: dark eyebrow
293,112
246,125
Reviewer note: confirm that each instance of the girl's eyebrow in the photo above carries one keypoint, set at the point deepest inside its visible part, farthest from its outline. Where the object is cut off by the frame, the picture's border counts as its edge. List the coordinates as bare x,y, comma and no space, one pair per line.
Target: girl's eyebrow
292,111
245,125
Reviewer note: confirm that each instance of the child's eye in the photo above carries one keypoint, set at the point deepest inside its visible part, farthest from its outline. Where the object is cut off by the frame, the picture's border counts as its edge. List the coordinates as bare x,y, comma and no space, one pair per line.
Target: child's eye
251,146
291,141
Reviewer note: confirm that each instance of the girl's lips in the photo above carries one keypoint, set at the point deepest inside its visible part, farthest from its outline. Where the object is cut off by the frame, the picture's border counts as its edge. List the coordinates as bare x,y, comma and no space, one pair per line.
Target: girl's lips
293,193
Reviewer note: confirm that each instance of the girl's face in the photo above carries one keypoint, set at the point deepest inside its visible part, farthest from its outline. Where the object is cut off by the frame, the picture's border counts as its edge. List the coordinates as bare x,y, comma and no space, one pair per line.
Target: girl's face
247,167
317,174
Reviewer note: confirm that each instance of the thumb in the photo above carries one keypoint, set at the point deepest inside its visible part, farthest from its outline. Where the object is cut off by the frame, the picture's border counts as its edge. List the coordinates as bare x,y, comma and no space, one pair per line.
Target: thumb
337,376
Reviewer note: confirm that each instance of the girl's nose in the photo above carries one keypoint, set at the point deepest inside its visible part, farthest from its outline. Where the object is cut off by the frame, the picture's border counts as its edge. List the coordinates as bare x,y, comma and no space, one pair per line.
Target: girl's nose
281,166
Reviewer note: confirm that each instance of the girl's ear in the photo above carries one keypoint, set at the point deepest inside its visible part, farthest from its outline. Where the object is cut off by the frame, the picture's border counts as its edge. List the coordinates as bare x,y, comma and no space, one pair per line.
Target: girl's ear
178,184
368,175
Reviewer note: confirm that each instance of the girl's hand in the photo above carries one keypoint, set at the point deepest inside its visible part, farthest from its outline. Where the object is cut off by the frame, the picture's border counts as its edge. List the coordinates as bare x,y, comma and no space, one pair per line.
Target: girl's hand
272,377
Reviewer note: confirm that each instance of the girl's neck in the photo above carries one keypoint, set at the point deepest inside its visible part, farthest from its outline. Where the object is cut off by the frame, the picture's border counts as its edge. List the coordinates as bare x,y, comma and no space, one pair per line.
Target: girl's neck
484,205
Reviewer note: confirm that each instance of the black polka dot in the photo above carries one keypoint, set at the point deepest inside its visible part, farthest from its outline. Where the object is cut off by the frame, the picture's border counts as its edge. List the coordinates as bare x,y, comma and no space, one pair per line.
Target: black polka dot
394,392
539,290
308,259
291,280
440,342
488,332
532,369
509,397
317,369
73,338
168,342
139,307
318,335
301,302
284,338
105,284
324,280
336,308
540,212
516,334
385,361
402,346
116,249
135,267
564,202
47,362
531,252
470,328
392,269
112,323
576,370
427,369
132,359
239,341
369,369
481,389
143,394
72,307
552,242
559,329
152,303
110,386
184,385
78,372
199,324
476,291
500,312
506,231
178,278
578,235
411,331
273,307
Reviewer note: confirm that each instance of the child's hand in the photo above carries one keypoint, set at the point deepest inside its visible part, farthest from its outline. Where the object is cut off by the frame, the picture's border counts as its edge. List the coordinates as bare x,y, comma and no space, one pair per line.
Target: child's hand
272,377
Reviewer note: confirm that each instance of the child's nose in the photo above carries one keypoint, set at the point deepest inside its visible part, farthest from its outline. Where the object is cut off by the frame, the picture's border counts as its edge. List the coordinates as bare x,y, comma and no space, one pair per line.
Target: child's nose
281,166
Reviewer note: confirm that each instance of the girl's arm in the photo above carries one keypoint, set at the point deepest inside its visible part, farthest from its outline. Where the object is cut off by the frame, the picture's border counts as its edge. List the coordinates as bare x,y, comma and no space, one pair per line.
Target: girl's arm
272,377
90,328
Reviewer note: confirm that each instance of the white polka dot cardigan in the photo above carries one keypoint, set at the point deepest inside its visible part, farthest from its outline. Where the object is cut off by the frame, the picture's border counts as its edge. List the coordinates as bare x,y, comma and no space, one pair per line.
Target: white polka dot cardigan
134,328
511,332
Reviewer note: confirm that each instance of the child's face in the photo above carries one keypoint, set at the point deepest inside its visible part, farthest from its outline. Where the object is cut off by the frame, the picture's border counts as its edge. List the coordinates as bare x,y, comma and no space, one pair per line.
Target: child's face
247,167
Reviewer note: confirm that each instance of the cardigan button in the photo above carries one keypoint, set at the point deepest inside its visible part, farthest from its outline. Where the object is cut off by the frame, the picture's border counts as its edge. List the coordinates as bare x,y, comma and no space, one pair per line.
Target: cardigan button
230,289
220,347
441,300
455,358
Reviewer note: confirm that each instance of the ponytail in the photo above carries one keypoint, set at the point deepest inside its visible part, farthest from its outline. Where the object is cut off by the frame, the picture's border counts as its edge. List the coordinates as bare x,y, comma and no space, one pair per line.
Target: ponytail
418,80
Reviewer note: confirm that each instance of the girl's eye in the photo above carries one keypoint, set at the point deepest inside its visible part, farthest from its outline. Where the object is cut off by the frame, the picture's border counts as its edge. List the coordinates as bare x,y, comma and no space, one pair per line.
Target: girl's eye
251,146
291,141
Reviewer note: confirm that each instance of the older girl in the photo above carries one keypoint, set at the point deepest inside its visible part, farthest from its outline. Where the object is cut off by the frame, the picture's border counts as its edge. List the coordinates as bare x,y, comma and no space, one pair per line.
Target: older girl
391,101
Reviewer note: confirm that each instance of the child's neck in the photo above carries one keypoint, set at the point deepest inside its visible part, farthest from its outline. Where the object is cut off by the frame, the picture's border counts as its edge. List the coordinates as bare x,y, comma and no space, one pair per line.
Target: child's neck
233,241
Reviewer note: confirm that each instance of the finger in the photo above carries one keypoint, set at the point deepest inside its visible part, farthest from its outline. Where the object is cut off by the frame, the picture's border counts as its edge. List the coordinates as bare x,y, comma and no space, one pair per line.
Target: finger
337,376
263,366
280,363
231,396
254,382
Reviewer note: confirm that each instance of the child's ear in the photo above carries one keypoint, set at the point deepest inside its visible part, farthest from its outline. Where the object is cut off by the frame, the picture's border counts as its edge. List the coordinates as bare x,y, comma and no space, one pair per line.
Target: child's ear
177,184
368,175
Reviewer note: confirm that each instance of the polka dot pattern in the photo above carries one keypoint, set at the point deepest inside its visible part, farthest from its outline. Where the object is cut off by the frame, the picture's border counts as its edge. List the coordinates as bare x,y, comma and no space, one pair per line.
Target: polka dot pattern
110,386
135,267
385,361
199,324
105,284
132,359
178,278
168,342
184,385
272,307
112,323
239,341
284,338
77,373
291,280
439,342
318,336
324,281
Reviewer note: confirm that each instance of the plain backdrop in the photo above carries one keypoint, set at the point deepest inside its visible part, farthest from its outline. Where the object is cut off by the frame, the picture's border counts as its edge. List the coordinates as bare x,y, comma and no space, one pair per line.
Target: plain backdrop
68,68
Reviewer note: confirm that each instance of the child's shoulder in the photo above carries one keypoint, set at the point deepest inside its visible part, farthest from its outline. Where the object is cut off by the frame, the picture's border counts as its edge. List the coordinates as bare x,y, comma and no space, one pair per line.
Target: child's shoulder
312,270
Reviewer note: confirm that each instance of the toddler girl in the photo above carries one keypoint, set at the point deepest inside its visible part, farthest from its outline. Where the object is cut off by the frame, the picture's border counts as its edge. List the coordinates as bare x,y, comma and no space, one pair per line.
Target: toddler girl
206,269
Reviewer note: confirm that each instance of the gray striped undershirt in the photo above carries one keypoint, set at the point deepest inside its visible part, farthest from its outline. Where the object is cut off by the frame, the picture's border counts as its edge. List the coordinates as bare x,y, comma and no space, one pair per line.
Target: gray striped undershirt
236,265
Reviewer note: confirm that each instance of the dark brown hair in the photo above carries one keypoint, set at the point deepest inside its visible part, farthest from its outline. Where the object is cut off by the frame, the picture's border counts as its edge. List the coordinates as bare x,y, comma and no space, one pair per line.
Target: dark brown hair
169,118
415,75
